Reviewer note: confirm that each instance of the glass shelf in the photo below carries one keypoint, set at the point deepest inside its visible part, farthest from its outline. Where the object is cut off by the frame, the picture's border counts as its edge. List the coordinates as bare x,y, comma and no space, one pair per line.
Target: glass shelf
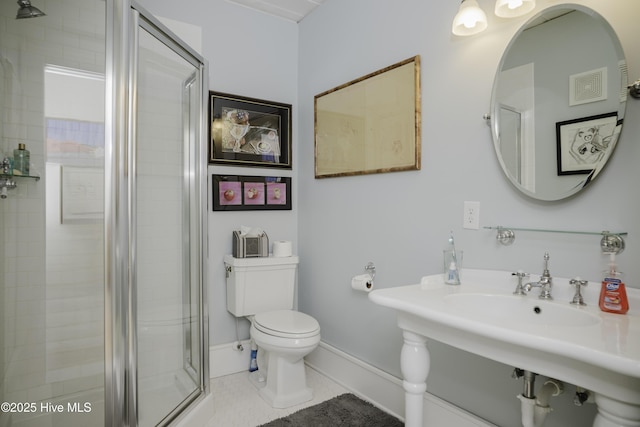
8,182
6,176
611,242
543,230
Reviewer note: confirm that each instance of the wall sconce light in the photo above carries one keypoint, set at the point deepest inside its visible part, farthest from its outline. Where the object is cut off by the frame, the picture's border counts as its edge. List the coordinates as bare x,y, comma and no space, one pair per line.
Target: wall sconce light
513,8
469,20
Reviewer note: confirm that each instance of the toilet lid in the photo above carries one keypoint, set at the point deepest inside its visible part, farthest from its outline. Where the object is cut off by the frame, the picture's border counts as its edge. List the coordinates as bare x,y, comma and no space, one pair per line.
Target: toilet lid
286,323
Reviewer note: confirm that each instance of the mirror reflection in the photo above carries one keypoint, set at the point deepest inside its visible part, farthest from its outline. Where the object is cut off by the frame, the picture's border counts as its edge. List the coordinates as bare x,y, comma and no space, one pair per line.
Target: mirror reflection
558,102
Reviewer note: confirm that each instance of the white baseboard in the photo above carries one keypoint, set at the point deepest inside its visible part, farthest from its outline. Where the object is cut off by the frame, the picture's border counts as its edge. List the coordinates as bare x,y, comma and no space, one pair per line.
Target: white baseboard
384,390
226,359
364,380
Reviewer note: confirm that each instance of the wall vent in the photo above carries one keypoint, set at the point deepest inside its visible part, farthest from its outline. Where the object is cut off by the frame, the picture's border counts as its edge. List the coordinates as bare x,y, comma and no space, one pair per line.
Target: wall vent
587,87
622,65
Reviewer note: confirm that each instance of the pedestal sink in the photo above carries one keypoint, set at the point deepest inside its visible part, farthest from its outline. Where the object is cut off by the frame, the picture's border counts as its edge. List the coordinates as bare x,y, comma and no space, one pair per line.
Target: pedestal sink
578,345
530,313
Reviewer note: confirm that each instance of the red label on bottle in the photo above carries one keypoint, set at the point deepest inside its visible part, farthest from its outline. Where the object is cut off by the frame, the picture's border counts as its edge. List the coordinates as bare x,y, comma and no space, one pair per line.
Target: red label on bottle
613,296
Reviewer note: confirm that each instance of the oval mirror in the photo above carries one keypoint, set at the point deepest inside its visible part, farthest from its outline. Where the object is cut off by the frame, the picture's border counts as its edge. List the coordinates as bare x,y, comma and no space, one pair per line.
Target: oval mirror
558,102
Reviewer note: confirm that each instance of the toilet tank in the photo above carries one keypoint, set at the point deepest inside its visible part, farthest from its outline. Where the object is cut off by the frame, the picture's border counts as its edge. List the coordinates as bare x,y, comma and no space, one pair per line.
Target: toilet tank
256,285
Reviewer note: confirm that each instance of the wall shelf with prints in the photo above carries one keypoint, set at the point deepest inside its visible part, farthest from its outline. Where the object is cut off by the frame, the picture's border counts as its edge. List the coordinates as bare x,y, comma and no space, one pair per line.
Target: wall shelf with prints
250,193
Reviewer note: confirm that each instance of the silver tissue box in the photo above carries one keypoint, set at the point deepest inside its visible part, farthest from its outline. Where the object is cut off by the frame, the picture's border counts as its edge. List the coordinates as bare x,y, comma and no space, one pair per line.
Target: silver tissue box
250,246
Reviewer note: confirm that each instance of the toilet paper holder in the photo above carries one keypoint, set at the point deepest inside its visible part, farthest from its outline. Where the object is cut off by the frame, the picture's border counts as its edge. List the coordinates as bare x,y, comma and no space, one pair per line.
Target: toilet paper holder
370,268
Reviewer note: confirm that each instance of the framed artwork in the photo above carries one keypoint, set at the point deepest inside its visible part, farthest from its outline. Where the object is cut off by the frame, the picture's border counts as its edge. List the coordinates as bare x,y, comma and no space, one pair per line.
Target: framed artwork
82,195
249,132
583,143
250,193
371,124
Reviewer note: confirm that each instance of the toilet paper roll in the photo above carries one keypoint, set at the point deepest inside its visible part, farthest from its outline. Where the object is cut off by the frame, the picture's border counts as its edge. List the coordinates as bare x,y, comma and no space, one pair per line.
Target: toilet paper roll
362,282
282,248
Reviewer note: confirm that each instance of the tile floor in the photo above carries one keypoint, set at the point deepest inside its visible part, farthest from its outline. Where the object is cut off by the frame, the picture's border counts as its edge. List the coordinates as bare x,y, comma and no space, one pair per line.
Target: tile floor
237,403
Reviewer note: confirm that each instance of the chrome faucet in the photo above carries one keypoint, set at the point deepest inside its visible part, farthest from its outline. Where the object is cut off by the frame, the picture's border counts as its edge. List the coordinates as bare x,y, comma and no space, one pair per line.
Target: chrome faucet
5,166
544,283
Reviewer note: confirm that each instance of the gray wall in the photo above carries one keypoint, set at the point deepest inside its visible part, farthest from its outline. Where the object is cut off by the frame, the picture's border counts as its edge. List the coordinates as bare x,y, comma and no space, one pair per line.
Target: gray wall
255,55
401,220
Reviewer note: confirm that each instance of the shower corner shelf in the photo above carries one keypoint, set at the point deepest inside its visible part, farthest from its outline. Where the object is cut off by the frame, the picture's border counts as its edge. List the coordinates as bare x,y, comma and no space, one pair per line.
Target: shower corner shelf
610,242
5,176
7,182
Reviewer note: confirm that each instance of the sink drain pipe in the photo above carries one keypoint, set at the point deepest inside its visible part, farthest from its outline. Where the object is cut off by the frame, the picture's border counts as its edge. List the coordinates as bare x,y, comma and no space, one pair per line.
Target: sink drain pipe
535,408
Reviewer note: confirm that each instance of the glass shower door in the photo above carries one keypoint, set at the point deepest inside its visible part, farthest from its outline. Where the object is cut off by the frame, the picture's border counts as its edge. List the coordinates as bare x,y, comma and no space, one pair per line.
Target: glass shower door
52,351
167,224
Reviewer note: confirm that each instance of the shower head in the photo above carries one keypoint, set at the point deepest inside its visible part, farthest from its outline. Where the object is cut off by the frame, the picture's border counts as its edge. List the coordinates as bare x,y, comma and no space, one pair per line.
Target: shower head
28,11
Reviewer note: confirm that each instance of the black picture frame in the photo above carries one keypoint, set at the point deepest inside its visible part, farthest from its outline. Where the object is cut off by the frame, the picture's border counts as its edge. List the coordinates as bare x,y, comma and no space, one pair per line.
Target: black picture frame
250,193
583,143
249,132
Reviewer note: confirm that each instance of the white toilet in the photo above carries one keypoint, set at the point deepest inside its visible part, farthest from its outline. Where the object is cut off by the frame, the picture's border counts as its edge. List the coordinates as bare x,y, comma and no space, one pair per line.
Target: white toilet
263,289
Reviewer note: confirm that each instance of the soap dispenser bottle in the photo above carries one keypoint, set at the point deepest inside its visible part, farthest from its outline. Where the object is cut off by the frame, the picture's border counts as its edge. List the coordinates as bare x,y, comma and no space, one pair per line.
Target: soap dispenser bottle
613,295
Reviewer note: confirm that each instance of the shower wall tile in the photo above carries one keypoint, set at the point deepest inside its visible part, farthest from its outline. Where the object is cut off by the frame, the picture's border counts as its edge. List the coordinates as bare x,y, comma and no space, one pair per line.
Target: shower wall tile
29,302
60,37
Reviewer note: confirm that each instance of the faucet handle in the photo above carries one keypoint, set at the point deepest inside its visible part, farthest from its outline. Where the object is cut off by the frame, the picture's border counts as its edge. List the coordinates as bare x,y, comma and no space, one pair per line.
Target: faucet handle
520,289
578,283
5,164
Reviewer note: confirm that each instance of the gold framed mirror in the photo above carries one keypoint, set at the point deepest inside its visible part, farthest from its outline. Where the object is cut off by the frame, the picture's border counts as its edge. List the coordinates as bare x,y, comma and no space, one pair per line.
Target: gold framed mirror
371,124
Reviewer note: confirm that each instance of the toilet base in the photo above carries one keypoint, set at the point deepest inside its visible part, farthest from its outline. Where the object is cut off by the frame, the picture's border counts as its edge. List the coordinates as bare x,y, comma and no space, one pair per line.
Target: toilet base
286,383
291,399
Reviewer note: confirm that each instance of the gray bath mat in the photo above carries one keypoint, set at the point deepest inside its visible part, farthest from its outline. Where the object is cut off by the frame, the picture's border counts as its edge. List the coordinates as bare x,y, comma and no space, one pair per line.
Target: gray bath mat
345,410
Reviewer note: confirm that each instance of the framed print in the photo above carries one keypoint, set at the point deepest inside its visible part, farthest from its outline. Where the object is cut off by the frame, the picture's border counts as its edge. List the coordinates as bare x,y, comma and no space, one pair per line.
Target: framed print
583,143
82,195
246,193
370,125
249,132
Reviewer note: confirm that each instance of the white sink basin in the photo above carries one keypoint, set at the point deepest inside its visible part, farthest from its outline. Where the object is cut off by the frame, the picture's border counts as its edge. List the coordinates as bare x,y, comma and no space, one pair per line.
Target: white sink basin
524,310
579,345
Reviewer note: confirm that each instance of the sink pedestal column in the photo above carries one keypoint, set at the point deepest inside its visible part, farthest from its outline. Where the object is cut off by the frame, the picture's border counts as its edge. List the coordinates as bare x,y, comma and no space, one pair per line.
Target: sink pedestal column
613,413
414,364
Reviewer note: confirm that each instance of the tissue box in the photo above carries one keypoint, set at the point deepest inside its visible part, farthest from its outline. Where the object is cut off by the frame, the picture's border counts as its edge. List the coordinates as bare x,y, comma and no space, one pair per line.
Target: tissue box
250,246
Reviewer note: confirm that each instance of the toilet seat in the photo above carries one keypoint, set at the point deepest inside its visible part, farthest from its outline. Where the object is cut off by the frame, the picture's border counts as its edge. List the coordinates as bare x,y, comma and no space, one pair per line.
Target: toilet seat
286,324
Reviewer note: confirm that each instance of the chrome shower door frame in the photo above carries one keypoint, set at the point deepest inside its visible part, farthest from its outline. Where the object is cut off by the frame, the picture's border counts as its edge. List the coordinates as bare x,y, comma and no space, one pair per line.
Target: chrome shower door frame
124,19
191,325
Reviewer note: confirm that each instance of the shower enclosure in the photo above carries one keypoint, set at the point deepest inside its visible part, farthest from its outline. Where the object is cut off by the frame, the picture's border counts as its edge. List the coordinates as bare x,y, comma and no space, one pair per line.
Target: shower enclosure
102,306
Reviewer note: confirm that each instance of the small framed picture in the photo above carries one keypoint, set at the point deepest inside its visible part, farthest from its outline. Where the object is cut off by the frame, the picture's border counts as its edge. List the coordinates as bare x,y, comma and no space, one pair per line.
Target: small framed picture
246,193
249,132
583,143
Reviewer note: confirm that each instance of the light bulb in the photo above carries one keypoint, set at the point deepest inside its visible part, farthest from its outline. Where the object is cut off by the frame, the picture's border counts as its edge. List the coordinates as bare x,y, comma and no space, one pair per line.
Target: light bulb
513,8
469,20
514,4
